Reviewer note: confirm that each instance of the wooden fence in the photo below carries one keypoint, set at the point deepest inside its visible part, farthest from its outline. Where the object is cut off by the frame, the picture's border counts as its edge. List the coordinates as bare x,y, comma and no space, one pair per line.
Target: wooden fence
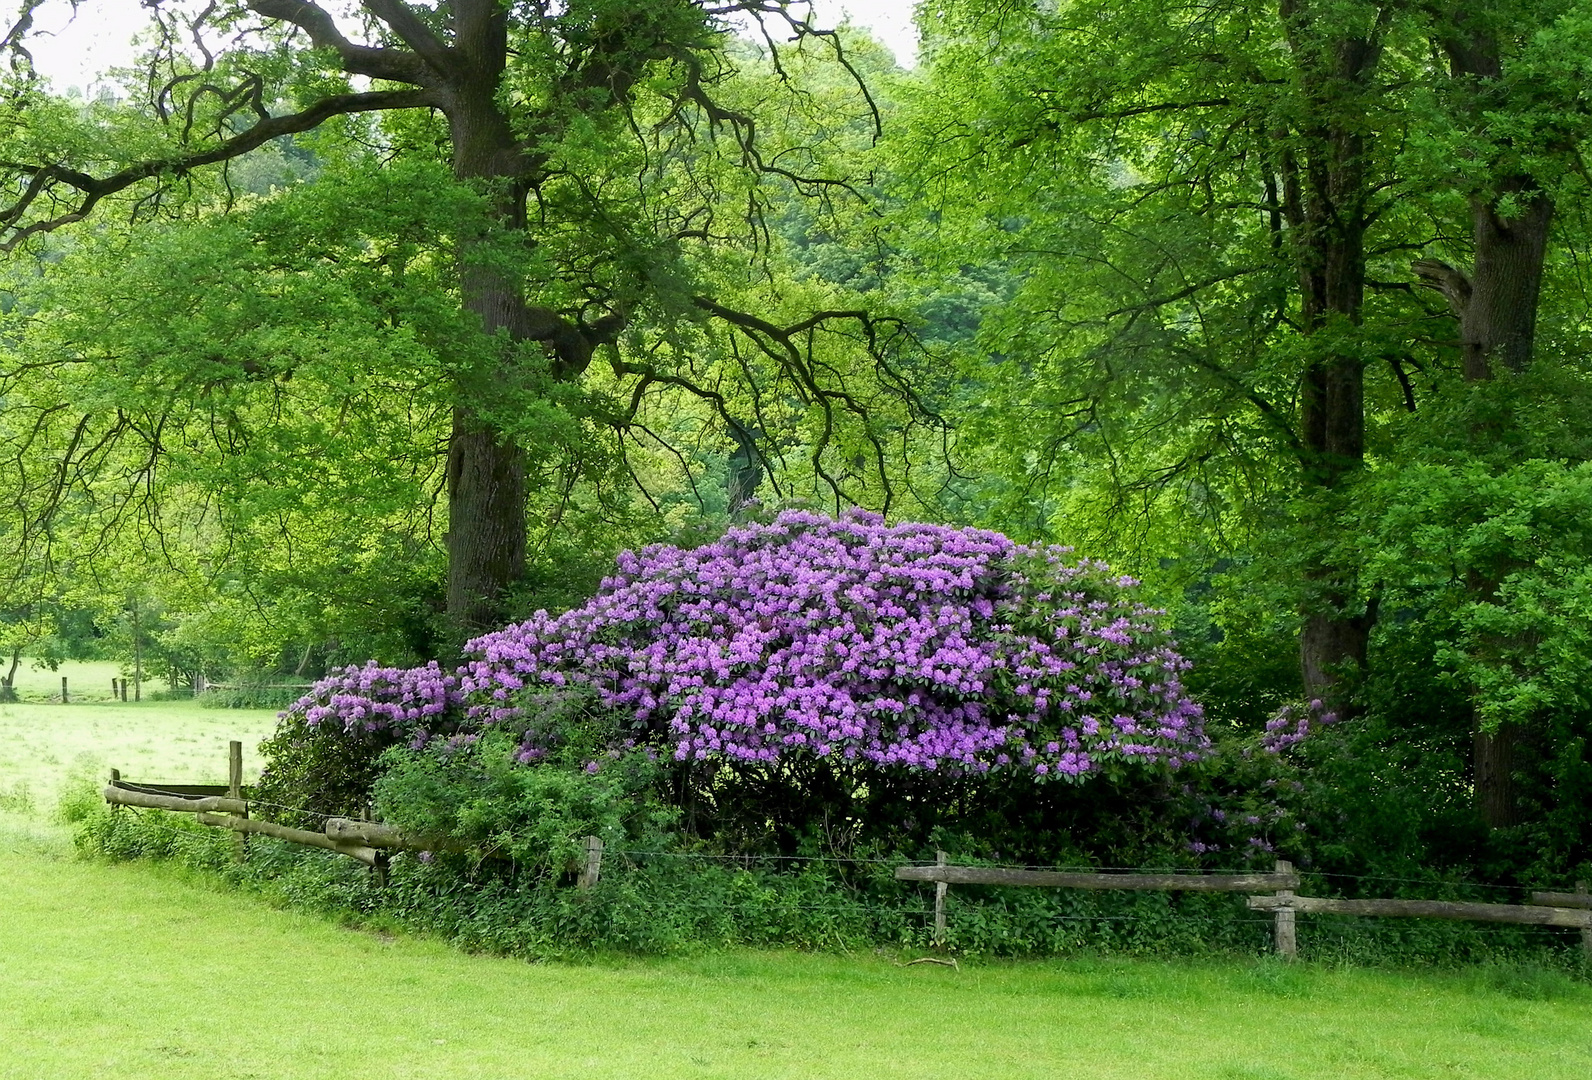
224,806
371,843
1573,909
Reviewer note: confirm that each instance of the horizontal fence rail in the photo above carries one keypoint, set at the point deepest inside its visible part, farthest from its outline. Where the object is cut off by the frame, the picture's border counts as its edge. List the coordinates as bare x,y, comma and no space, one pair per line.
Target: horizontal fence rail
1572,910
1578,899
368,842
359,852
1519,914
121,796
1055,879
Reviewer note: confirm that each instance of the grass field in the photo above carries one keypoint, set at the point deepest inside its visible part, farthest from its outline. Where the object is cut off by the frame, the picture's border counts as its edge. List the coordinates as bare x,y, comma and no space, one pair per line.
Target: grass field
137,970
87,680
42,744
129,970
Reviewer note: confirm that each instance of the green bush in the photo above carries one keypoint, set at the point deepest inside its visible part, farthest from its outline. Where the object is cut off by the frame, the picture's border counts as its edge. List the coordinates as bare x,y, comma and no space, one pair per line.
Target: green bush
474,790
312,771
249,693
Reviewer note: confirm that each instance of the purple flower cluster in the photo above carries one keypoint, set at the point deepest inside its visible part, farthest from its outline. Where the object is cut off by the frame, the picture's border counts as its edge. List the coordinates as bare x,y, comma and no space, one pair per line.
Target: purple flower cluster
909,645
1292,724
374,699
915,645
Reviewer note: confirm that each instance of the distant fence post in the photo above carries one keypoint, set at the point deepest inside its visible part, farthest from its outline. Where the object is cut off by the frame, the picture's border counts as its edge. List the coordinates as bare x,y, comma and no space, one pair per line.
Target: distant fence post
1284,930
594,863
64,699
940,889
240,840
1586,931
198,683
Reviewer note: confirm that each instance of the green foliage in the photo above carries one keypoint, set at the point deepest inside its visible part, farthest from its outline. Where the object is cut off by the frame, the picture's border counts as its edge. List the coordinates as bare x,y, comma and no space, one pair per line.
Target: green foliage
653,903
249,690
537,816
1521,645
312,772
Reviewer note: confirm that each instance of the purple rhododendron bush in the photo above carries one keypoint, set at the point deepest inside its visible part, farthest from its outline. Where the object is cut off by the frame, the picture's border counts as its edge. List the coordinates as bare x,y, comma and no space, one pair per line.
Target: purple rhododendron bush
882,649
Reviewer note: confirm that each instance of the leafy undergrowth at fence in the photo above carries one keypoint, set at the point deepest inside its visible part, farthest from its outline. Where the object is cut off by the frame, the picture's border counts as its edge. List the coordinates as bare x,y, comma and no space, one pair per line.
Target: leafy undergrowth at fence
679,903
120,958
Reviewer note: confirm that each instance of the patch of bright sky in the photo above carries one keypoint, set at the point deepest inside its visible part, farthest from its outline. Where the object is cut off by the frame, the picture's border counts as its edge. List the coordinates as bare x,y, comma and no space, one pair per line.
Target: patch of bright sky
77,51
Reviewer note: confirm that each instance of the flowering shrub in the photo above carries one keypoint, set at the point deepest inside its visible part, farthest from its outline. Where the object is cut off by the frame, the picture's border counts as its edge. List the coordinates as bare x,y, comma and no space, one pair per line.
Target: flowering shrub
921,646
1291,724
374,698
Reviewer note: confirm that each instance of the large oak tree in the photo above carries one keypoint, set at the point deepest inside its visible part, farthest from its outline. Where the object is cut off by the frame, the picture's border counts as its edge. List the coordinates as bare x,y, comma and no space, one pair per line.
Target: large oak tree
623,171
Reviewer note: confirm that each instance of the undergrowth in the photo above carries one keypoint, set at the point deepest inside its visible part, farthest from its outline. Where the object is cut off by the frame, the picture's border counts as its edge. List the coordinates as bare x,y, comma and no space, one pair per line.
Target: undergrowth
681,902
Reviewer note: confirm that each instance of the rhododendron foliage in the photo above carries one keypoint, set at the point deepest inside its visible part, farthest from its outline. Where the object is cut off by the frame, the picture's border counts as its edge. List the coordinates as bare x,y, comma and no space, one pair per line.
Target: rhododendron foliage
911,645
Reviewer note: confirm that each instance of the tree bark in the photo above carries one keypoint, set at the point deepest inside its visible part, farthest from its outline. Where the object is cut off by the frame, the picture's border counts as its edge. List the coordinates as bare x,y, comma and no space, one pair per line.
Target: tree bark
1499,324
1493,773
1326,201
8,684
1496,308
487,492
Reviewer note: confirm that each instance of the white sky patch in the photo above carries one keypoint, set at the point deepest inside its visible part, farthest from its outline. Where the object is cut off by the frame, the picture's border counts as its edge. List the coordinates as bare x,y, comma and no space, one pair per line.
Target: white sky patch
78,51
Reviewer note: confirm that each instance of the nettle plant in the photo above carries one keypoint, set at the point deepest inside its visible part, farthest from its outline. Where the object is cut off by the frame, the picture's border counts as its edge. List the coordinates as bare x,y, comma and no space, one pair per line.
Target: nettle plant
909,646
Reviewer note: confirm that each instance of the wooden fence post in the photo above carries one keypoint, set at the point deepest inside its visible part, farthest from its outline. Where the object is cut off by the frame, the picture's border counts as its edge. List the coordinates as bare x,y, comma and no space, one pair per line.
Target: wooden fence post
240,840
940,889
1586,931
1287,942
594,863
64,699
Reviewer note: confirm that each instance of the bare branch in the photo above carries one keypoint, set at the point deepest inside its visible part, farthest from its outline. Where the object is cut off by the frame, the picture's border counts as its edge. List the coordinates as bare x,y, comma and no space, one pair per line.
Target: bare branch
402,20
396,65
92,189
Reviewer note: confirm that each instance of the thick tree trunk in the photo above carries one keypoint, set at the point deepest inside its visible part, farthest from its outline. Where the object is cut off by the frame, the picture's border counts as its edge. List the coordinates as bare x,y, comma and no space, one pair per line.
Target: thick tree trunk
1498,327
1493,773
1497,313
1336,630
1325,198
486,466
8,684
486,521
1499,323
1496,307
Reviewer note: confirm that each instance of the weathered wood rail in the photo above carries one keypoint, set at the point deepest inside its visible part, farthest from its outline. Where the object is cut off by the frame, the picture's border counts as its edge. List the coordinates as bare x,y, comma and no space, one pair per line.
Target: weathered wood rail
368,842
1055,879
943,875
1572,910
356,839
1519,914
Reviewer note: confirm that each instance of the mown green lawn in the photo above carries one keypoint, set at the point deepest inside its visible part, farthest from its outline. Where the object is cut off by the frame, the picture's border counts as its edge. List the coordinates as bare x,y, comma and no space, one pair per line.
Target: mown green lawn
131,970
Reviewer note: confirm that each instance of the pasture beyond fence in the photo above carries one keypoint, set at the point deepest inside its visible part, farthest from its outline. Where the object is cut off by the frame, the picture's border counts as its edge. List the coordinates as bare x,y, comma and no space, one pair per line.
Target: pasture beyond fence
372,843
